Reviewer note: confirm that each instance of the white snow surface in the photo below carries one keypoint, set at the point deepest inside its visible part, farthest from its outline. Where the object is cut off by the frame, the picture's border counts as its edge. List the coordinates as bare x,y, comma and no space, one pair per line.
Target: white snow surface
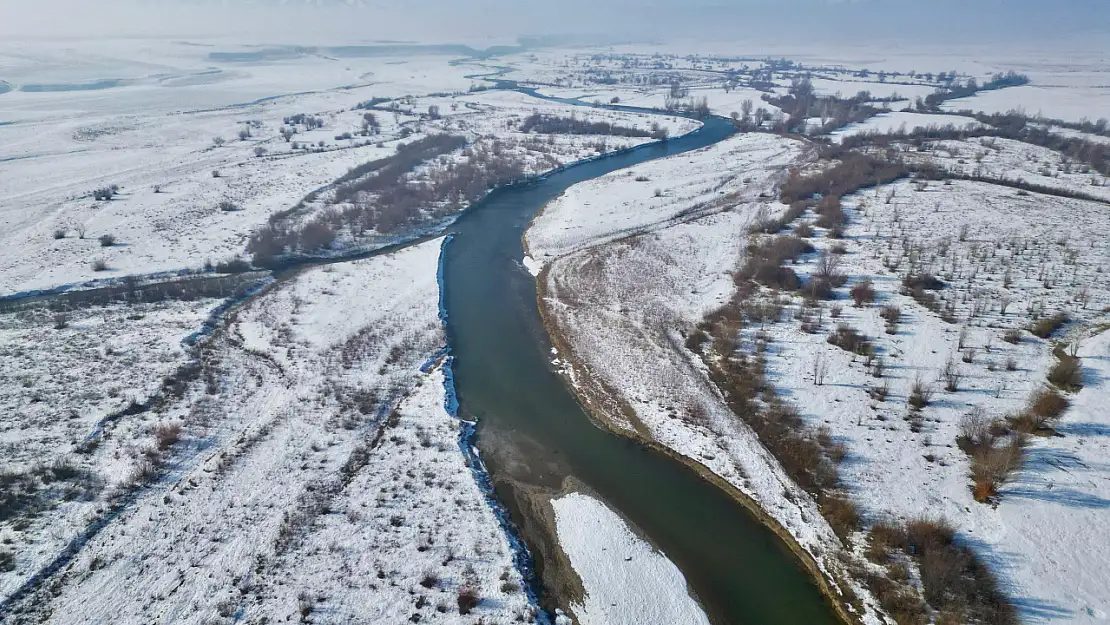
1052,101
656,194
626,580
1041,538
905,122
324,477
621,295
155,137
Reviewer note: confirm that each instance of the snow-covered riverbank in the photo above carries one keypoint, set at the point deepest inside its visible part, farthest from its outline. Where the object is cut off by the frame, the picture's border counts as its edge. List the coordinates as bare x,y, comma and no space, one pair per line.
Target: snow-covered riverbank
319,472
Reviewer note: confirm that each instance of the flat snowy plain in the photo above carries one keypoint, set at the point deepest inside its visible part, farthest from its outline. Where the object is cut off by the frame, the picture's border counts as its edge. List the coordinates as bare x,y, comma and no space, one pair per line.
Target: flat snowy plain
626,269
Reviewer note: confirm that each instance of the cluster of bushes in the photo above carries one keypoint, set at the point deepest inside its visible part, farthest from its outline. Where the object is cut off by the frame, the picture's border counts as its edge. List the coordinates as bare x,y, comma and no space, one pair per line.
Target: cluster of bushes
1045,326
30,491
995,452
551,124
104,194
849,339
921,287
853,172
1043,409
808,455
1011,125
802,103
370,124
957,585
863,292
998,81
831,215
131,291
380,196
300,119
390,172
765,224
765,261
826,277
371,103
1067,372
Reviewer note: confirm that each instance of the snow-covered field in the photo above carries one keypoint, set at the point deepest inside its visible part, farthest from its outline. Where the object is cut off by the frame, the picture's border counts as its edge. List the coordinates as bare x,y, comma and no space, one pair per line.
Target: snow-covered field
900,467
1014,161
628,278
301,464
317,472
1036,100
626,269
626,580
192,187
904,122
659,193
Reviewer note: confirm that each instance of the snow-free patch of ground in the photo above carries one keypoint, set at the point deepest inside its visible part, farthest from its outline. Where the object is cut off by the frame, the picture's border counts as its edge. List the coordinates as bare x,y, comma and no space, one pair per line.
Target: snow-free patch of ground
626,580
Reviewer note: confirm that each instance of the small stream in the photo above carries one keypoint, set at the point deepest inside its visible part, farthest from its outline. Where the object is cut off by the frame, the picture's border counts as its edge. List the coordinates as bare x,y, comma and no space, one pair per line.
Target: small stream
533,433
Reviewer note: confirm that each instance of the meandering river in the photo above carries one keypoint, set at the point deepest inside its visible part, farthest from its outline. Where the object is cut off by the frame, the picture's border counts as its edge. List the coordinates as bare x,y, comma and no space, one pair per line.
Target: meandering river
533,433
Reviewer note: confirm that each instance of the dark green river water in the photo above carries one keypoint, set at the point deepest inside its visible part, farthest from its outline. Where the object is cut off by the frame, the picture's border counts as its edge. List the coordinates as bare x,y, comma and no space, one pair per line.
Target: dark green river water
532,430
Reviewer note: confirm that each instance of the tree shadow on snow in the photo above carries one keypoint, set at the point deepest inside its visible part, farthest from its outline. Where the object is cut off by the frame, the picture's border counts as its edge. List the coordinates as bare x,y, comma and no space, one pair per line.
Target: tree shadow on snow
1083,429
1039,611
1032,609
1063,495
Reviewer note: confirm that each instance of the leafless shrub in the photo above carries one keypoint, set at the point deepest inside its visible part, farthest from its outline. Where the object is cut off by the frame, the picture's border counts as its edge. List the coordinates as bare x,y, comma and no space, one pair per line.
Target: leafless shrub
991,466
1043,408
1013,336
820,369
107,240
951,376
167,434
59,233
99,265
842,515
921,393
765,259
863,293
847,338
891,314
306,603
467,600
879,393
1067,373
1045,326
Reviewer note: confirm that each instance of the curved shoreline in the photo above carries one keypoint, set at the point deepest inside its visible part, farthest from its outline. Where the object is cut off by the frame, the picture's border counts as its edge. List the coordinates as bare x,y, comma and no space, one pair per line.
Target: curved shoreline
592,408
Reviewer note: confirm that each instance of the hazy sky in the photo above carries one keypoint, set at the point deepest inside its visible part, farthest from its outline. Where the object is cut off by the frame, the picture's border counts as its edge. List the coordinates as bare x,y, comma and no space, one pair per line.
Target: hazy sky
317,21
